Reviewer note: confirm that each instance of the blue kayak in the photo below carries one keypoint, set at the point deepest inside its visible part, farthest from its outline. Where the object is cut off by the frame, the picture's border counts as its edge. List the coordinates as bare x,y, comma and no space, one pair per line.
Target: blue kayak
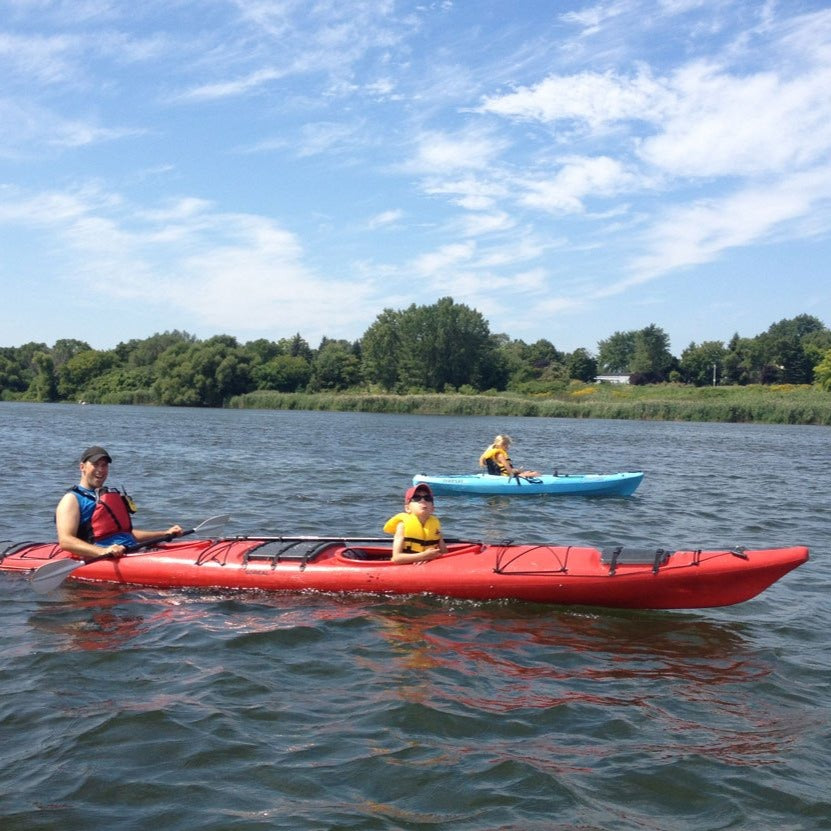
589,484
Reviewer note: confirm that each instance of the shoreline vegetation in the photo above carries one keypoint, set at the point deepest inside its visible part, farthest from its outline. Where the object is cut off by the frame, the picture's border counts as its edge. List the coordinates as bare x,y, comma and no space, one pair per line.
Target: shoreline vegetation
765,404
443,359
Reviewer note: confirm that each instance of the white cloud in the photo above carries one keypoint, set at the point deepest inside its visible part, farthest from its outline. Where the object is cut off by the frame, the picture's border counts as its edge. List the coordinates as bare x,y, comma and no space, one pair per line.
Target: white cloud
479,224
700,232
590,97
757,140
228,89
577,179
326,137
46,59
730,125
233,271
520,248
299,39
591,18
446,153
483,289
448,256
470,192
384,219
702,120
29,130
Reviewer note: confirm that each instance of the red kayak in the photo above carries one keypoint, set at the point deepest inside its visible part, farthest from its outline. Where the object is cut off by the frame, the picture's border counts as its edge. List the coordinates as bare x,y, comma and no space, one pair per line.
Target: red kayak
538,573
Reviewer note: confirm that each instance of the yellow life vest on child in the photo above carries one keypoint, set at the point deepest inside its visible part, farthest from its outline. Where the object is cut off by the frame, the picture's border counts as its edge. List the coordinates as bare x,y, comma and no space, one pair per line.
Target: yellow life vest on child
489,459
417,537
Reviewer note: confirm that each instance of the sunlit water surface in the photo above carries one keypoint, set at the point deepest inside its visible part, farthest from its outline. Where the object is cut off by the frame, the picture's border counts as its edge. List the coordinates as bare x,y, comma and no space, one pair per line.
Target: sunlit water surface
140,709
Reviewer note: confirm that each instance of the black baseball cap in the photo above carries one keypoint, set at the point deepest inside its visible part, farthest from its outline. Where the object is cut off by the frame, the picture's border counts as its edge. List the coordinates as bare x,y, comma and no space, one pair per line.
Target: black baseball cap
94,454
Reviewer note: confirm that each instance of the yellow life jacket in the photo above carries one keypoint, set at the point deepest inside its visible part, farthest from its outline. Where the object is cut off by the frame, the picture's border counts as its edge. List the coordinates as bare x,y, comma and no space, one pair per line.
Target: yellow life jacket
417,537
489,459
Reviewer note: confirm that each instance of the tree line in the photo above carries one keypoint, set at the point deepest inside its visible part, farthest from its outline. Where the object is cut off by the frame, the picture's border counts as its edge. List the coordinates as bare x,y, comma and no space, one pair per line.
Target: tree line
443,347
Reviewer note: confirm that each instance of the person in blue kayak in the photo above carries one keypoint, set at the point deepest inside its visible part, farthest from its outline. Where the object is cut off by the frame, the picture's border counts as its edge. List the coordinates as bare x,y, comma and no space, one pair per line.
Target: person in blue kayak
498,462
417,531
94,521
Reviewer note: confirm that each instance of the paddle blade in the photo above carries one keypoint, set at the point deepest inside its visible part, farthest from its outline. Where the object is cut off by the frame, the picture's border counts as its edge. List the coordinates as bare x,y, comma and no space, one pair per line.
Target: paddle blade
213,523
48,577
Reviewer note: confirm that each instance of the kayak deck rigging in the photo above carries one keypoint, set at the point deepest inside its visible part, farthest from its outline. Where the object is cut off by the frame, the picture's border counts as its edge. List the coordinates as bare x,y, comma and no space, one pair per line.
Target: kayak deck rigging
508,558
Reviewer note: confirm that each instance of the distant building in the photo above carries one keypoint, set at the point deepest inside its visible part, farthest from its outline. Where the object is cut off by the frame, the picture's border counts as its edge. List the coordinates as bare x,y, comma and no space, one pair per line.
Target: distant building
612,379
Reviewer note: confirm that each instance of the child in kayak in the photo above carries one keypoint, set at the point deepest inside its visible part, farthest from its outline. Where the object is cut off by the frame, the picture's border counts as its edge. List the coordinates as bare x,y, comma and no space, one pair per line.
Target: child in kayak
417,531
498,462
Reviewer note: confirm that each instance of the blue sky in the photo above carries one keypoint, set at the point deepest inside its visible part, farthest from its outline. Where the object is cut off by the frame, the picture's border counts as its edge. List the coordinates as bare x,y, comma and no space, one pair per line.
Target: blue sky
259,168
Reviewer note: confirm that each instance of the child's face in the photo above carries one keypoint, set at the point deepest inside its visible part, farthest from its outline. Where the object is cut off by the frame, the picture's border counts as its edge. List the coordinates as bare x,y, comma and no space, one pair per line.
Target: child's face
421,504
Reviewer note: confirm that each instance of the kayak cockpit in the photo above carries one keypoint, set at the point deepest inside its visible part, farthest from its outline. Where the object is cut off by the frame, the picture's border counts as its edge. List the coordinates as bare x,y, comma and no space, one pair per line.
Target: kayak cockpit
303,551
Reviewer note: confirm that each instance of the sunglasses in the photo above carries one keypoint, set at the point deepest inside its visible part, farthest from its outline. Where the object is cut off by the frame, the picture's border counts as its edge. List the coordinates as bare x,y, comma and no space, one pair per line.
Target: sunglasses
421,497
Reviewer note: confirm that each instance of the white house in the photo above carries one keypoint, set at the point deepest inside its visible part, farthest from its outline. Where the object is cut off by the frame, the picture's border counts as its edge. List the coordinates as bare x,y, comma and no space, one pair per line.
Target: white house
612,379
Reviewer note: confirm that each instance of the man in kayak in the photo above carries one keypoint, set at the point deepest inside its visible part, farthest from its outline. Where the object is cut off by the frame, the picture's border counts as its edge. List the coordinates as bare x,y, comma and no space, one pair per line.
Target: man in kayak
417,531
94,521
498,462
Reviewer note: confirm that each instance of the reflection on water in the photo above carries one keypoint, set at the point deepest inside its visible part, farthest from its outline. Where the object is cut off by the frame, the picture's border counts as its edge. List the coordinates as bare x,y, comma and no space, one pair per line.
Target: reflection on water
614,677
88,623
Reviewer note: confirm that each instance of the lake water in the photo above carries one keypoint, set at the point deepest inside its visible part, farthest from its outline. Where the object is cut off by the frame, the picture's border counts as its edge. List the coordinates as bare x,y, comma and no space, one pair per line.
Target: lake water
182,710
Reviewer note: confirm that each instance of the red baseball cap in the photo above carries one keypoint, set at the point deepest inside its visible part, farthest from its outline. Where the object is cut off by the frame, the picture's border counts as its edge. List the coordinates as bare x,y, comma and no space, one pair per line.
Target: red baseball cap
411,492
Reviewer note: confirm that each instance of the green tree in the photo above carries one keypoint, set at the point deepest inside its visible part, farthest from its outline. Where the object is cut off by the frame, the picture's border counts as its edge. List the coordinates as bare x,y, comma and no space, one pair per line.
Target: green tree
796,327
381,345
651,360
122,385
233,374
202,374
262,351
462,346
536,368
518,369
335,367
786,353
67,348
146,352
43,386
816,344
284,373
783,350
741,361
614,354
297,347
79,372
697,362
822,372
11,374
641,352
446,345
581,366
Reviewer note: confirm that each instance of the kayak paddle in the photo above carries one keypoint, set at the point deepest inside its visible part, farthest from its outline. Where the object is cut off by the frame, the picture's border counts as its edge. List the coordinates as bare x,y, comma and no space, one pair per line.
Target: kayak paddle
51,575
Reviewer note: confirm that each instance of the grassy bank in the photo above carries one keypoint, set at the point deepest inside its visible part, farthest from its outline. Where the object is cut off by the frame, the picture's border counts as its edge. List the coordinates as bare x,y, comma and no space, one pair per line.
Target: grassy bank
782,404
